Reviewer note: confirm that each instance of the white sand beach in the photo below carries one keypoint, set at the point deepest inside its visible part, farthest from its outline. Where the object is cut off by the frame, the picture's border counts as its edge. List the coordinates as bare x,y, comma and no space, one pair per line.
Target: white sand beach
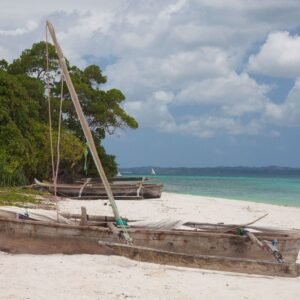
110,277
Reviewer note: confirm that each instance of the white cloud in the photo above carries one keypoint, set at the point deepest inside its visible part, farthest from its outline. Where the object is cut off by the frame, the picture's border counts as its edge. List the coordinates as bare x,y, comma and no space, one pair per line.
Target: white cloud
287,113
165,97
4,53
30,26
203,62
141,76
279,56
247,5
209,126
170,56
152,113
235,94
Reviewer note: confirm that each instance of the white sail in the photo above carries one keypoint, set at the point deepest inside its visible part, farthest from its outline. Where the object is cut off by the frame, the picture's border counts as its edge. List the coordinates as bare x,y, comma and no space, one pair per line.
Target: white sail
153,172
119,174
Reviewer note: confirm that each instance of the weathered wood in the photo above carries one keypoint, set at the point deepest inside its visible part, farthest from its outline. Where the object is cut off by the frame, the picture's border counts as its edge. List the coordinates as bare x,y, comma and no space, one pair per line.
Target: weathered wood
83,219
91,217
103,197
84,125
115,230
120,190
207,227
23,236
124,179
227,264
220,227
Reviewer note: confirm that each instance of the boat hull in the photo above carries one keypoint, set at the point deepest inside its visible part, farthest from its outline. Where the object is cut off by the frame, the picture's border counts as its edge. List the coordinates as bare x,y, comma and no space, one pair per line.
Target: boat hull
226,252
120,190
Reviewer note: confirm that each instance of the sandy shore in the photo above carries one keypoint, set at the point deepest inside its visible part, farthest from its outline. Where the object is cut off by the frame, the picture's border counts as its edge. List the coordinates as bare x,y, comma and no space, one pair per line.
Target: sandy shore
103,277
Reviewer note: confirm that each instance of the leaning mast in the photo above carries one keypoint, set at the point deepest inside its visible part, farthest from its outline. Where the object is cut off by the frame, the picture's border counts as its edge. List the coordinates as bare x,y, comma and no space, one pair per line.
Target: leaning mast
86,129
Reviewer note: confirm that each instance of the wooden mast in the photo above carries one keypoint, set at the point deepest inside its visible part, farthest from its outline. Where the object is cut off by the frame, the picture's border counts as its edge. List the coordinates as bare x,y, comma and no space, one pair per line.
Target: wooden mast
85,128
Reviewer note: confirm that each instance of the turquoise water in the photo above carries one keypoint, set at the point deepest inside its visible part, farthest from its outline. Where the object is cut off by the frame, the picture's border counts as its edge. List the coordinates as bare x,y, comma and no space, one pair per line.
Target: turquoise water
275,190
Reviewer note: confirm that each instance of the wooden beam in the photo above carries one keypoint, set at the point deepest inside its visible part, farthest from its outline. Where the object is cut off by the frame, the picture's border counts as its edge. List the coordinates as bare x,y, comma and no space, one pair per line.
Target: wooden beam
83,219
227,264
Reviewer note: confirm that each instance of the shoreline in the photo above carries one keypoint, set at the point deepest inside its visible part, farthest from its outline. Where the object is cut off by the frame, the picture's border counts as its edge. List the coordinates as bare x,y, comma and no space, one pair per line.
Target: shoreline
97,277
233,199
260,189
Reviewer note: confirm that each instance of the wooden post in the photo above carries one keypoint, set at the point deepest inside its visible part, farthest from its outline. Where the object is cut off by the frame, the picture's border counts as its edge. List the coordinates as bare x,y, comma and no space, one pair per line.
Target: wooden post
83,219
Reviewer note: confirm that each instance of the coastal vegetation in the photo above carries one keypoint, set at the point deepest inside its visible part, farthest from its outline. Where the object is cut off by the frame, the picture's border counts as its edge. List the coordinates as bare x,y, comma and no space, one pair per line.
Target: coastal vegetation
15,196
24,122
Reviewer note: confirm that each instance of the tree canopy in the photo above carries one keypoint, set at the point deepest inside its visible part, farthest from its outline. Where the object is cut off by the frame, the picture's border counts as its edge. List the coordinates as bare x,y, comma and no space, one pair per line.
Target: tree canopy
24,130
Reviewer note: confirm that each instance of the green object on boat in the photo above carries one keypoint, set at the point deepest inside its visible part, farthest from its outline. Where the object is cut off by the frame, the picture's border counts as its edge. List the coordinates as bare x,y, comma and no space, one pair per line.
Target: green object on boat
121,223
85,154
240,231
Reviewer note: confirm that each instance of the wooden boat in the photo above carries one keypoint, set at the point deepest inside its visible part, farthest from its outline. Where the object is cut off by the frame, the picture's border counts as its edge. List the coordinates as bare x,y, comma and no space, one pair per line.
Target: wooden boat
120,189
123,179
207,247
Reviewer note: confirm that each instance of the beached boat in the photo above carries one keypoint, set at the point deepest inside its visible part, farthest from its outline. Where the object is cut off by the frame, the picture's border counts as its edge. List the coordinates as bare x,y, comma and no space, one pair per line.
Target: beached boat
210,247
124,179
120,189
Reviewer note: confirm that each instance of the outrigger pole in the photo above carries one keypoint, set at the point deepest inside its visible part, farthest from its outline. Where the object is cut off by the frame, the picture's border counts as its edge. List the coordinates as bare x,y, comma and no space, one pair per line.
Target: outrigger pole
87,132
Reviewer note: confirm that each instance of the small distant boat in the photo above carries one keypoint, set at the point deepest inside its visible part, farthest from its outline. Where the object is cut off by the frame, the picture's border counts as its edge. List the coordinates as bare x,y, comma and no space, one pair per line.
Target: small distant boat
119,174
153,172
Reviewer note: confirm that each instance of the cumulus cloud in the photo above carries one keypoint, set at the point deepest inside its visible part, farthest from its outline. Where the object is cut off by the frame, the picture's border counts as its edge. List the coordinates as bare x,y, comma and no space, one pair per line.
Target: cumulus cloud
4,53
234,94
169,56
201,62
279,56
154,113
30,26
288,112
165,97
141,76
209,126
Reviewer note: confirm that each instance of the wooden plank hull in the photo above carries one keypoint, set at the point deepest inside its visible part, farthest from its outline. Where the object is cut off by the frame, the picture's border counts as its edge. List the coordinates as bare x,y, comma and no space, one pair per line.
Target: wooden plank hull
226,252
226,264
119,190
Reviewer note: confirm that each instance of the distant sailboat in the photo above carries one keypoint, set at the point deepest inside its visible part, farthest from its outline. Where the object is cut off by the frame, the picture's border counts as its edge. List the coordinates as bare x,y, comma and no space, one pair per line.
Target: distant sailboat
153,172
119,174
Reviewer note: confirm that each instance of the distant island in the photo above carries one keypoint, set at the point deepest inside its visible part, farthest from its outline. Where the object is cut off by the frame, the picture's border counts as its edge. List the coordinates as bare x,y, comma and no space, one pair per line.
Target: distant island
214,171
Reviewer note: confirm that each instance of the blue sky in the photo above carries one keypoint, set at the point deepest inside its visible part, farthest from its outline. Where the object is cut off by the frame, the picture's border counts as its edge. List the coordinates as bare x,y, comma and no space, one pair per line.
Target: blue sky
210,82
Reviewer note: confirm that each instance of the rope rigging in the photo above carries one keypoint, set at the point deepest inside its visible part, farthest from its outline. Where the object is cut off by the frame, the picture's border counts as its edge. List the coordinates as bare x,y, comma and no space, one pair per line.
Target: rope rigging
48,91
55,167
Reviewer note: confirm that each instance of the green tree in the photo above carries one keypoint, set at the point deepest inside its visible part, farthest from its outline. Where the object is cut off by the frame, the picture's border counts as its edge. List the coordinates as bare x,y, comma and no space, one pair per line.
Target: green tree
103,111
24,141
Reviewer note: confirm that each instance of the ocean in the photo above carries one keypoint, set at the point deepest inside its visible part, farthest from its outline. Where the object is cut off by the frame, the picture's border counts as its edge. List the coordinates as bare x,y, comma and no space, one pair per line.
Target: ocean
275,185
281,188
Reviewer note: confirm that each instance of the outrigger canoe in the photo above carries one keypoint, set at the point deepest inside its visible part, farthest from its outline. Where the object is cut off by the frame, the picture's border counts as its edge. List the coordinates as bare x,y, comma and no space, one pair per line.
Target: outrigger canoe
208,246
120,189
